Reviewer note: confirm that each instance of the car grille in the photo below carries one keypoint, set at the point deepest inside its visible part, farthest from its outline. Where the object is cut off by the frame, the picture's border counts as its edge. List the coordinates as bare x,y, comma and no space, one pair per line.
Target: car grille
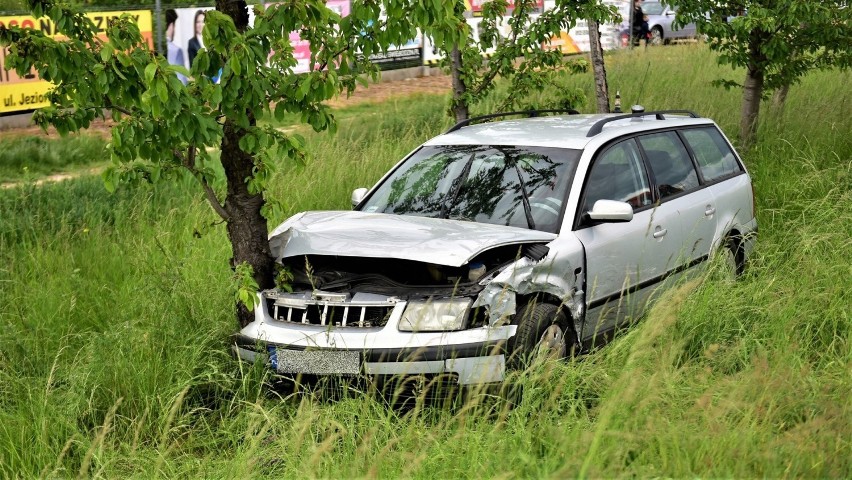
318,312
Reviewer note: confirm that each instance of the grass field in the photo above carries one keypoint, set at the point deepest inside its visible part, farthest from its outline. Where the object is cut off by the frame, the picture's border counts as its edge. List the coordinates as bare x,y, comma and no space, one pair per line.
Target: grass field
115,311
30,157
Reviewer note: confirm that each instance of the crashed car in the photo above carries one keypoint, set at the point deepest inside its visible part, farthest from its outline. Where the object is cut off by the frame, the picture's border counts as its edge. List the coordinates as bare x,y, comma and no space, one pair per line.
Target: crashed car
499,240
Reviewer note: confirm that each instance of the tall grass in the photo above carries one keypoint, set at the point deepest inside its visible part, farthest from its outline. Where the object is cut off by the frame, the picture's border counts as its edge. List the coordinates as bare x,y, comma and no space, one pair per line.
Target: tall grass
115,316
27,156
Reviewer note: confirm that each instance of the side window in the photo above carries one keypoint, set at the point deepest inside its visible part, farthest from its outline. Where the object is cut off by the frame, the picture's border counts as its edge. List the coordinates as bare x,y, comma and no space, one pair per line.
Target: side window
618,174
714,156
670,163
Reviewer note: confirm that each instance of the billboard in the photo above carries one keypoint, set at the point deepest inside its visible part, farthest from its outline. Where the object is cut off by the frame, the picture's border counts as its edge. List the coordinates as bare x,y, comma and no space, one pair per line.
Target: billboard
474,7
187,34
28,92
577,39
301,47
573,41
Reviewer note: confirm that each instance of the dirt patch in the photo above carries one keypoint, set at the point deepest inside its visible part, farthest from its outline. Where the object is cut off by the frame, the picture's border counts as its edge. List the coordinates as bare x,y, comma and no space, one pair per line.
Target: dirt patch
378,92
57,177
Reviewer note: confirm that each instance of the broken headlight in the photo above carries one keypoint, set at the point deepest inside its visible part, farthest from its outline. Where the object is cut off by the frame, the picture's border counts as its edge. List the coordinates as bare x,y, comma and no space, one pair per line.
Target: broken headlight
435,315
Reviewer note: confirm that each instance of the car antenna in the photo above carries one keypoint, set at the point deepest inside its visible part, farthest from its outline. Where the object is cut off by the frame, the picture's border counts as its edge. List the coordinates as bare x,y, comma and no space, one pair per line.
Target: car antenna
642,85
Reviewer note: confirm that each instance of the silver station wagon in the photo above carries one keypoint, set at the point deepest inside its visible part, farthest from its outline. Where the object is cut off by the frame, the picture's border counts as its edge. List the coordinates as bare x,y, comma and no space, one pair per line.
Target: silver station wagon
500,239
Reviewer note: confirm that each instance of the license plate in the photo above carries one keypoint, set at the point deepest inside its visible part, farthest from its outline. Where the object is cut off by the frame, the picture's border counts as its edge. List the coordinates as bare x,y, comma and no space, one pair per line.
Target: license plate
316,362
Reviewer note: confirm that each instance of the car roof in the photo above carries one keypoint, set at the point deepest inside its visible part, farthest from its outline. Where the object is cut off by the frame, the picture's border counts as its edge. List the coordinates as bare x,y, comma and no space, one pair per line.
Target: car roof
563,131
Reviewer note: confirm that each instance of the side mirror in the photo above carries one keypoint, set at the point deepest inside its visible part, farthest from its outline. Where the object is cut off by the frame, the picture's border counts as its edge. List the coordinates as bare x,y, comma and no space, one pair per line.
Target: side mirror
357,195
670,13
611,211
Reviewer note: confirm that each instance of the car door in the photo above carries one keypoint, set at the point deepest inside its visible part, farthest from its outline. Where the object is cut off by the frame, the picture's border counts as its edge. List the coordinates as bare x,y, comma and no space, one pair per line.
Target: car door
676,180
723,176
686,31
624,261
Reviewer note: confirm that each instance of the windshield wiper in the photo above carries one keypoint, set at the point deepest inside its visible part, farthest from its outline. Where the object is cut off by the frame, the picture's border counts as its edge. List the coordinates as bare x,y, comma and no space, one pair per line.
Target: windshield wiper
457,184
525,199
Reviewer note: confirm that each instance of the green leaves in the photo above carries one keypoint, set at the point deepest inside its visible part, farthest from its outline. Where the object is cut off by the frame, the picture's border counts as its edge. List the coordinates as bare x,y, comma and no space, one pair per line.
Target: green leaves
150,71
776,42
245,286
106,52
526,38
164,128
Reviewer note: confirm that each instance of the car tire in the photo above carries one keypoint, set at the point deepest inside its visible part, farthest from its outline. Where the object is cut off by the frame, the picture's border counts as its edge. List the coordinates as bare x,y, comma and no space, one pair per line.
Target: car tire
657,36
731,262
543,329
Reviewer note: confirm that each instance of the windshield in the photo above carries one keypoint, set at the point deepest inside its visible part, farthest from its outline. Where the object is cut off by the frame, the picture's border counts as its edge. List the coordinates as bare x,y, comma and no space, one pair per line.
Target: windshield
504,185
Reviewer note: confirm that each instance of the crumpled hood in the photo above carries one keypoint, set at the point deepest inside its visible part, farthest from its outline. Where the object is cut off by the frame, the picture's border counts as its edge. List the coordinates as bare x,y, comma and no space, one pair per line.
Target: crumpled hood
377,235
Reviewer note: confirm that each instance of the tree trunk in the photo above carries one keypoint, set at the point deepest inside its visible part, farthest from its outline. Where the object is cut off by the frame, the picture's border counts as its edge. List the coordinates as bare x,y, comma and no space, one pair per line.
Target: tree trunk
752,92
247,228
598,67
779,98
459,106
237,10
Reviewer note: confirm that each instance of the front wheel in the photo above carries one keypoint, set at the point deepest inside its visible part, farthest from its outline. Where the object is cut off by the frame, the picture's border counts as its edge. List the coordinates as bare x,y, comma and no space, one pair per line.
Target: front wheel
656,36
543,331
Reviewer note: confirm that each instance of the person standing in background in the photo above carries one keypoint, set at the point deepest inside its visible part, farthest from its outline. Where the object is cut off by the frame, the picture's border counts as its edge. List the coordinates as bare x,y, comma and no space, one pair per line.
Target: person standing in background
196,43
174,54
640,23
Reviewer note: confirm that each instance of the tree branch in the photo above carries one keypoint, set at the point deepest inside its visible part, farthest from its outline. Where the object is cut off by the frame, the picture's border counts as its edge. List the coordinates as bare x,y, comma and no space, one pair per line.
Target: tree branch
188,162
335,55
348,46
120,109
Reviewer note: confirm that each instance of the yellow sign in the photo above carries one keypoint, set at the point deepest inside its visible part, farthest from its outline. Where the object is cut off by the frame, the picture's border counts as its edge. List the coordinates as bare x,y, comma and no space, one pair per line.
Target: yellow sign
564,43
28,92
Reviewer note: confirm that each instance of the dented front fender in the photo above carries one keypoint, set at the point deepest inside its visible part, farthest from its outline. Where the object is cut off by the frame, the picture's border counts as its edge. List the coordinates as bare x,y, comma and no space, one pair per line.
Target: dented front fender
560,274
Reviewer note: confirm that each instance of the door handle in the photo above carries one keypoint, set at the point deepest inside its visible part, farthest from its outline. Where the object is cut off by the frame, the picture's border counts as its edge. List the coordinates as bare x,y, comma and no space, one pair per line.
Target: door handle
709,211
660,232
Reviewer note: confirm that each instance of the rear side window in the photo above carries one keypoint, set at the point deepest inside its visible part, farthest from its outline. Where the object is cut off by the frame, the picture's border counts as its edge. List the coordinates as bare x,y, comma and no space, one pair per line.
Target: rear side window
714,156
670,163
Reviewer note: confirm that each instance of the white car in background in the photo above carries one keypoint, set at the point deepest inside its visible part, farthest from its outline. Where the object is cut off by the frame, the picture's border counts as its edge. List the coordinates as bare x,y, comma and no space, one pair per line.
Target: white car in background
499,239
660,24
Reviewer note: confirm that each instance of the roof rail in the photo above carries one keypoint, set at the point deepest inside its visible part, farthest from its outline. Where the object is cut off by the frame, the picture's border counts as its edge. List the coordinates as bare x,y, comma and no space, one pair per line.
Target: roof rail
528,113
659,115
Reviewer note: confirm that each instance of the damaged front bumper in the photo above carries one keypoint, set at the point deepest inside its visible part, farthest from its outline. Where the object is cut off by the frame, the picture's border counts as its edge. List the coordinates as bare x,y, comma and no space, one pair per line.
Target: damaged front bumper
470,363
294,346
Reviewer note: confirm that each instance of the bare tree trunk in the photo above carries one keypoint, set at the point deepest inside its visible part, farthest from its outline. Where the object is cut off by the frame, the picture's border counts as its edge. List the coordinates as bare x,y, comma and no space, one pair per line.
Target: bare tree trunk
459,106
779,98
247,227
598,67
752,92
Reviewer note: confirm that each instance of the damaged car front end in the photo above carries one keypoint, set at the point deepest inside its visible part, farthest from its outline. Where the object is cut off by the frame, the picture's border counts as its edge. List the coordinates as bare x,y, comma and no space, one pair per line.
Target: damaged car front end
384,307
420,281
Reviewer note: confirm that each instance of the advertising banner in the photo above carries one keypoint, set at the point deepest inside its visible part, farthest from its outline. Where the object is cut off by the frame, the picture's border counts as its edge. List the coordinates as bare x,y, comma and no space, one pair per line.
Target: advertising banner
397,56
577,39
474,7
574,41
302,48
186,40
28,92
400,56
